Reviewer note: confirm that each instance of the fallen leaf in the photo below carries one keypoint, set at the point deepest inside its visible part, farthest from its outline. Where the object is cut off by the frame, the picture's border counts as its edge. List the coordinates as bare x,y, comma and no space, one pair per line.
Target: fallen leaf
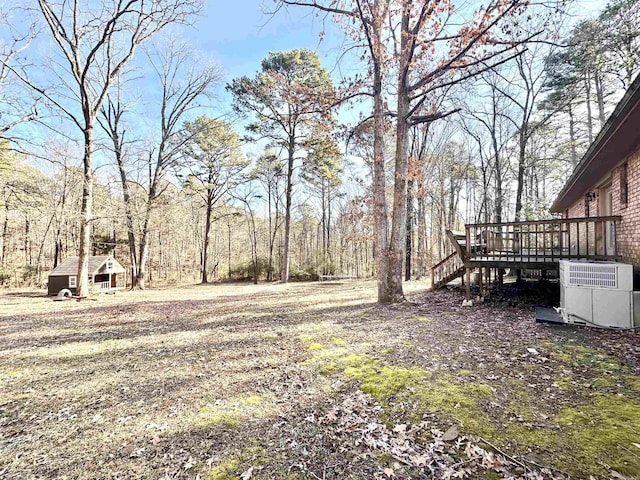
400,428
389,472
247,474
451,434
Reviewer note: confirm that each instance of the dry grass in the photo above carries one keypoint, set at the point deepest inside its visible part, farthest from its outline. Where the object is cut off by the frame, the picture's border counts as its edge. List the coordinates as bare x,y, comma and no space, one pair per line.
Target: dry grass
208,381
142,384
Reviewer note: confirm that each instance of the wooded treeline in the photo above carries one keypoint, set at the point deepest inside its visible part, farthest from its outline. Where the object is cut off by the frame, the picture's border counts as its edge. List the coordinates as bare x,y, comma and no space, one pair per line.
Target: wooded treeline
122,149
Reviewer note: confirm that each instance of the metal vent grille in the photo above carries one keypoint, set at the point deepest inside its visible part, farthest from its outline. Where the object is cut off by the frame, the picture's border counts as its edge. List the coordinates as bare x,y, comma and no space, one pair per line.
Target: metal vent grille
593,275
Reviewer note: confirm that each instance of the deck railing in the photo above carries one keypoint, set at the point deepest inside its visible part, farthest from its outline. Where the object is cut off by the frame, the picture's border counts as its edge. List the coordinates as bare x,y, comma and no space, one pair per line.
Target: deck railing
102,285
445,268
592,238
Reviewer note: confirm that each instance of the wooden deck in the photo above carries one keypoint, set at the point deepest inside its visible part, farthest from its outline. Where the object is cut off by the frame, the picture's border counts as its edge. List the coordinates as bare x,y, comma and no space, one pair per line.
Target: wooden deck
538,245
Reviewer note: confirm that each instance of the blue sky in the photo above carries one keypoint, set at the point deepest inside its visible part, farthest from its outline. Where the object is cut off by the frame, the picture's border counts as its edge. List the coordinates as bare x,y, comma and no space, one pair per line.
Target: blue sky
239,35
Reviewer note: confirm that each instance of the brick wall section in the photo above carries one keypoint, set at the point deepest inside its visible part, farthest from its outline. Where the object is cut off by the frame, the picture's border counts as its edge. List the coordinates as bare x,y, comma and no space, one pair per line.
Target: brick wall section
629,230
628,234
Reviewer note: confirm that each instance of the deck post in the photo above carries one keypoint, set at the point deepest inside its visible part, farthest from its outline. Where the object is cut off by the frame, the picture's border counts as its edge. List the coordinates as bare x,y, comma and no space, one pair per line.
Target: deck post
481,283
468,283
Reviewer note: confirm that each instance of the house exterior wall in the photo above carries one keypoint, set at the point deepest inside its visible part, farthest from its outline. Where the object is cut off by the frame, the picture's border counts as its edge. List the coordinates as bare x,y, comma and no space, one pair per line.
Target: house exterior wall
583,231
628,232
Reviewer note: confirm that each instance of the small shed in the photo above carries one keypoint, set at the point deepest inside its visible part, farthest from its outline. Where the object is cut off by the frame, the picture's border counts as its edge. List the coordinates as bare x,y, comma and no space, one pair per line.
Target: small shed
105,274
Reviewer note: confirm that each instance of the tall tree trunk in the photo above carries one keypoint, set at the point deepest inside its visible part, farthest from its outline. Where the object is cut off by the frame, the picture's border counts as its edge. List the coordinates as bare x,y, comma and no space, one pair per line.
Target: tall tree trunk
408,244
522,151
422,236
599,97
572,136
284,276
85,216
253,236
128,211
5,233
112,114
229,247
56,249
379,198
207,229
323,221
399,217
27,240
587,86
272,236
143,256
330,257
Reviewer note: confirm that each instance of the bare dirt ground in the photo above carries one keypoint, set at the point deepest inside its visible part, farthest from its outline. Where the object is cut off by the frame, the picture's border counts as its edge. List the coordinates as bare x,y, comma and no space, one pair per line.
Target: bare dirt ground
309,381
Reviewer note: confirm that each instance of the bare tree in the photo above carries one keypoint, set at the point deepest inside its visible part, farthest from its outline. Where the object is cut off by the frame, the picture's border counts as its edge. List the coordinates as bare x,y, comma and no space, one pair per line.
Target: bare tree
424,44
269,171
14,110
212,165
183,82
111,120
94,41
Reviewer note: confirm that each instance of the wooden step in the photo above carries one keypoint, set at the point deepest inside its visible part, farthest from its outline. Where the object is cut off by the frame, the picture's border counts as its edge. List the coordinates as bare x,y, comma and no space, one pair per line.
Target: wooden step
450,278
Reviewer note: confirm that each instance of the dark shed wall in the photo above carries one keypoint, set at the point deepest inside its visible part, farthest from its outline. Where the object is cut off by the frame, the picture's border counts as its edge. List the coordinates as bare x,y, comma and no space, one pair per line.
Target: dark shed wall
56,284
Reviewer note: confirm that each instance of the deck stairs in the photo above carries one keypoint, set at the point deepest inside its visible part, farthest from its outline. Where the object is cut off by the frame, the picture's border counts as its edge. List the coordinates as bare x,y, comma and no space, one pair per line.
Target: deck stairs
452,266
526,245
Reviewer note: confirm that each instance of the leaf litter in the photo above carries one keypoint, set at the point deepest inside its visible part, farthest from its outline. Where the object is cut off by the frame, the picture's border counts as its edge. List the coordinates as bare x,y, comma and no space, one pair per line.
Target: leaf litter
124,387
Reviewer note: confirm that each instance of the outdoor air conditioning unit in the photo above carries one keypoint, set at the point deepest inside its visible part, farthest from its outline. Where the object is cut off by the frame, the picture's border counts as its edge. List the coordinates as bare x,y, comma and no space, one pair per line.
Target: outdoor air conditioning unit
598,293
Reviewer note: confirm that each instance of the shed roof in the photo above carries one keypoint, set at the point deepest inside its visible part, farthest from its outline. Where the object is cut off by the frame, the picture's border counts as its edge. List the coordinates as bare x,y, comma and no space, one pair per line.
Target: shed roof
619,137
97,265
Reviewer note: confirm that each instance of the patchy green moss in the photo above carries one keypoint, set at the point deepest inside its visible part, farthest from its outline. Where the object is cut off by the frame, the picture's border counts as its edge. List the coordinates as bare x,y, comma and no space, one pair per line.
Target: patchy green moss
355,360
314,347
465,373
423,319
633,382
329,367
232,468
216,416
339,341
384,457
227,470
605,432
523,436
561,357
414,385
253,400
481,389
234,412
603,383
383,381
563,383
459,402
